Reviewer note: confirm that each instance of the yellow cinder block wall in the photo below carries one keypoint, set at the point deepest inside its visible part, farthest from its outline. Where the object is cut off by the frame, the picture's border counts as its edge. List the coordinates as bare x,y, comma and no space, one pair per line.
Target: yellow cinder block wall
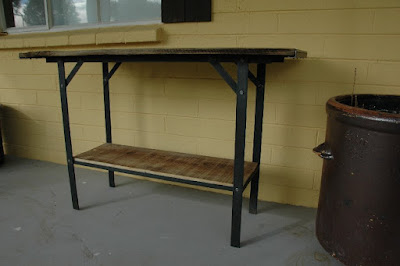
186,107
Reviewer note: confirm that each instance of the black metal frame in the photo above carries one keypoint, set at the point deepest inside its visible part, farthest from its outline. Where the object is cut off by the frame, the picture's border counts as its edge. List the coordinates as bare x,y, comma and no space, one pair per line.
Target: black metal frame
107,111
240,87
67,131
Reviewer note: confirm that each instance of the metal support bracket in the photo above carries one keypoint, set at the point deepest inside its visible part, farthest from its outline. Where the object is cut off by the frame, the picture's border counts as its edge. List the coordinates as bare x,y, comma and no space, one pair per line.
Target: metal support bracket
73,72
255,80
113,70
224,74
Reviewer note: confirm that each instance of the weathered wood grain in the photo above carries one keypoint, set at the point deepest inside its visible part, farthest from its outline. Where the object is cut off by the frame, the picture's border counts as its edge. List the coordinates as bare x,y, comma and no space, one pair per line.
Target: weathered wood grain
178,165
284,52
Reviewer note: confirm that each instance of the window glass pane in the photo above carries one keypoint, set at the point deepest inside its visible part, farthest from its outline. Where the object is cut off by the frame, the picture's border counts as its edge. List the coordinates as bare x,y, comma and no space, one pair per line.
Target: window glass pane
72,12
23,13
130,10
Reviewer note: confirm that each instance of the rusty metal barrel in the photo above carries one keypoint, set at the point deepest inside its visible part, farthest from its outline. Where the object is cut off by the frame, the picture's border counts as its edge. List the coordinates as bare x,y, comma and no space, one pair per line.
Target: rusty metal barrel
1,143
358,217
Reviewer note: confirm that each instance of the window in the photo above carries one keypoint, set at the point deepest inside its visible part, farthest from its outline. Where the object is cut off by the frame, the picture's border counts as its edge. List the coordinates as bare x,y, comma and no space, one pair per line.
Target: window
31,15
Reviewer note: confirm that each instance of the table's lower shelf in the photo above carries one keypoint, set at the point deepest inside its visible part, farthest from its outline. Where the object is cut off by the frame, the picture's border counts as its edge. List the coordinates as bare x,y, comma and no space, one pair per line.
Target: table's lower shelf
180,167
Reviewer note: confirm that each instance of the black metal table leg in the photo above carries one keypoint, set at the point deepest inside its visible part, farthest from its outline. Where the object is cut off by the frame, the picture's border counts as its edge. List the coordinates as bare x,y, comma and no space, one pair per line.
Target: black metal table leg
240,136
67,134
107,113
258,126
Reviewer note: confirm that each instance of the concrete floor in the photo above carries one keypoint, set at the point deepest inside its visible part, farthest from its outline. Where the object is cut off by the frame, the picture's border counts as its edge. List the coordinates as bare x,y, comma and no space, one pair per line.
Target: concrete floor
140,223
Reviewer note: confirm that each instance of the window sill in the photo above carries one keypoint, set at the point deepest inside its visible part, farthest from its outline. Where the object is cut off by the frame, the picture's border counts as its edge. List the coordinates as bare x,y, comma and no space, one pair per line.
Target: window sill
91,37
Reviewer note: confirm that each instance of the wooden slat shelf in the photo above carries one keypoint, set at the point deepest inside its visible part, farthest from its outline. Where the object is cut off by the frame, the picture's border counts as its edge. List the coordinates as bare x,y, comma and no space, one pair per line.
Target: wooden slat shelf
178,166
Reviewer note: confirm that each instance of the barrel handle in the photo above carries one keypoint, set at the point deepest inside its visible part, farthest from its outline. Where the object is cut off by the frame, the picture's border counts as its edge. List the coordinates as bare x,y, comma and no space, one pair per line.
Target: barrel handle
323,151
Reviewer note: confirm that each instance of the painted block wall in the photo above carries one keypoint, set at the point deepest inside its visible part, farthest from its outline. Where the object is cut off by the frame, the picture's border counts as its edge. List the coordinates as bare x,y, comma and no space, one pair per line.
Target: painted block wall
186,107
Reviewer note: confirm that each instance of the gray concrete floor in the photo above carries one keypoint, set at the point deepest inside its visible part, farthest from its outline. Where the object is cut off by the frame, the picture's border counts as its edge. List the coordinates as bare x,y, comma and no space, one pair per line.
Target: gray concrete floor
140,223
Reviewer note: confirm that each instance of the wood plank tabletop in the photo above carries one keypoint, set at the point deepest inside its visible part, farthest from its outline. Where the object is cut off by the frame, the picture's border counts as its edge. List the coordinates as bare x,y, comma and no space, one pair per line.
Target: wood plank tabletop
282,52
173,164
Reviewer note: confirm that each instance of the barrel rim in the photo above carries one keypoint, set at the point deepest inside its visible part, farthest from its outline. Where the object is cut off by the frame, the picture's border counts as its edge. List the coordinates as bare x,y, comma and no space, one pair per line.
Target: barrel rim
362,112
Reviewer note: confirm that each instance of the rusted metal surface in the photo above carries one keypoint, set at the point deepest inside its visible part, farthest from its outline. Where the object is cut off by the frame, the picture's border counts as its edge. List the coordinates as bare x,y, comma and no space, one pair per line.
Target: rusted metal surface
1,143
358,215
1,148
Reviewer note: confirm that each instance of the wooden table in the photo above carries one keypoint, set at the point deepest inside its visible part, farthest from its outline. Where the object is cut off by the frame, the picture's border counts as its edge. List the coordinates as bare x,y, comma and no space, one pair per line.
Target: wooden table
232,175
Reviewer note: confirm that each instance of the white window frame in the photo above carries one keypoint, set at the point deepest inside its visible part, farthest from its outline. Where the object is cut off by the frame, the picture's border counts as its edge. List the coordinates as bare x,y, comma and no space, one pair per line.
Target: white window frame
49,27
